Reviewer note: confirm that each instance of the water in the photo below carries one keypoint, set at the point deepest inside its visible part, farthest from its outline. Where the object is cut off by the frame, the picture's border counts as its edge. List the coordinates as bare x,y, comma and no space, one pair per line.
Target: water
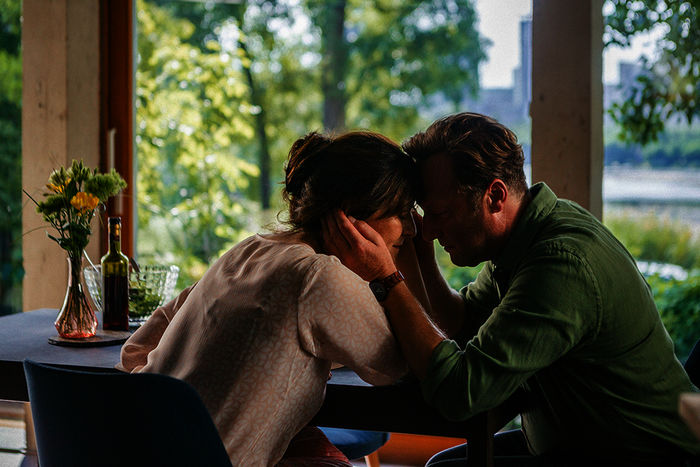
651,186
672,194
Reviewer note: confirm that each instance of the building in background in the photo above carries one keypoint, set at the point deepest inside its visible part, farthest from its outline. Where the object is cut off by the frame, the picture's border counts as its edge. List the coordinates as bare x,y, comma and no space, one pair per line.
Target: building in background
511,105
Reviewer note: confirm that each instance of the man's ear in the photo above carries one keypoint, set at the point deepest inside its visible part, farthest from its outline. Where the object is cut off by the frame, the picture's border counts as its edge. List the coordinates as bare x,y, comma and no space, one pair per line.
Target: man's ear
496,196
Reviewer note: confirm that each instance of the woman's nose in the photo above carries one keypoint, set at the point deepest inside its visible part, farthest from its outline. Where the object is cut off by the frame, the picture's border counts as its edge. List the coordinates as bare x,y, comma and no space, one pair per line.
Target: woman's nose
409,226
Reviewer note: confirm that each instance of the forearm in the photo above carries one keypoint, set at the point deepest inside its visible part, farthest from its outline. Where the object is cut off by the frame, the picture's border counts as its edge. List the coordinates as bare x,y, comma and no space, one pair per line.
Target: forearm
447,307
417,334
407,262
134,353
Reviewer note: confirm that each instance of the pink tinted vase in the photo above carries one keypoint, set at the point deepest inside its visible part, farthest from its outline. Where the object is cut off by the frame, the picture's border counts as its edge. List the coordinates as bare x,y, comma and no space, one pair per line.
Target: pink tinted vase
77,319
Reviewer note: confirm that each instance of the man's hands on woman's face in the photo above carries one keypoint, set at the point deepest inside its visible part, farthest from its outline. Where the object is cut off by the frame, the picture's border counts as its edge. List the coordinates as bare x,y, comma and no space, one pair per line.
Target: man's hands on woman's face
358,246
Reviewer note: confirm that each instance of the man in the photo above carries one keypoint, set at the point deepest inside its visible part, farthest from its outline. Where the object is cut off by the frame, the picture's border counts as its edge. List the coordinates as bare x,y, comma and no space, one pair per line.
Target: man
559,310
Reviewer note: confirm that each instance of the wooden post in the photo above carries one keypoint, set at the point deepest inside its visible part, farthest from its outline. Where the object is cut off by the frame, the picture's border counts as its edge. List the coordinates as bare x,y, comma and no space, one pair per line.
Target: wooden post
60,122
567,99
117,110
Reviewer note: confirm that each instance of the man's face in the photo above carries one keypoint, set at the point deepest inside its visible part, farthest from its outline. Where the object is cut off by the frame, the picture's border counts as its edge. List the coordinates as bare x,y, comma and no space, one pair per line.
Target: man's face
461,225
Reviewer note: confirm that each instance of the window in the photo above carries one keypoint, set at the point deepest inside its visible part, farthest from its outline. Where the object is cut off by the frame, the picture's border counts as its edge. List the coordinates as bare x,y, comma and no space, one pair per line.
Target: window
11,271
651,183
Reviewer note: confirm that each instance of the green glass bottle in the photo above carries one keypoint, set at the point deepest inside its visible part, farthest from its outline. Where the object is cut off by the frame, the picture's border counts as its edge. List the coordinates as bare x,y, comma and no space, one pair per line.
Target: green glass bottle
115,281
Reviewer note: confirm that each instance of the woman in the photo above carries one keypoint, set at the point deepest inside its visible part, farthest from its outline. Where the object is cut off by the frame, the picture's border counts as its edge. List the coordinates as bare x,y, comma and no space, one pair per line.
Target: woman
257,334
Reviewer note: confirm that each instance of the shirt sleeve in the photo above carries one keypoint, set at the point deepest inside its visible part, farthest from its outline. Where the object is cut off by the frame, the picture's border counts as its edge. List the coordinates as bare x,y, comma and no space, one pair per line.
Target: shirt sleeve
341,321
134,353
480,298
552,302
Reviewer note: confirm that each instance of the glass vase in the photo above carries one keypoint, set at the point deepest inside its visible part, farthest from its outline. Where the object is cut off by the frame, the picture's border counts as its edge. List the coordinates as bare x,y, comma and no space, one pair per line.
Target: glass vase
77,319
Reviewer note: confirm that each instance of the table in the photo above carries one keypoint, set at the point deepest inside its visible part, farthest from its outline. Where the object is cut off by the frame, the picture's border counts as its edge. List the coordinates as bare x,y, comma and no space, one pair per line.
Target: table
349,402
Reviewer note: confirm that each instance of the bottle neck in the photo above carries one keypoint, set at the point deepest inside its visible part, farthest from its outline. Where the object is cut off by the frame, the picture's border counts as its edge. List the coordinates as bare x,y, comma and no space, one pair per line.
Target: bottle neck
115,239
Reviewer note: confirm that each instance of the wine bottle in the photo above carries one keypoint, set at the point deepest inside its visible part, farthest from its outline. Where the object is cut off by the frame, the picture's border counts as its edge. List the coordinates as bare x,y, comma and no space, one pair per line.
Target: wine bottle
115,281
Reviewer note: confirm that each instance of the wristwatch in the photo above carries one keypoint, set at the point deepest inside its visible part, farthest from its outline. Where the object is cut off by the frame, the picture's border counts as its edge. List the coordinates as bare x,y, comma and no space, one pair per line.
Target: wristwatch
381,287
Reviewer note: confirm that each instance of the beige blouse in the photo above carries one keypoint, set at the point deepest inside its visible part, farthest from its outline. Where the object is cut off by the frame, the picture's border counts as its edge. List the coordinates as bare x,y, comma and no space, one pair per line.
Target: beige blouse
256,337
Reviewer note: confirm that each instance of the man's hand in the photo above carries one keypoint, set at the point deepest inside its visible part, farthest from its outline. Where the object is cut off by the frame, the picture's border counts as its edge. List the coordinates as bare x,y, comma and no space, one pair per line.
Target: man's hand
446,305
358,246
424,248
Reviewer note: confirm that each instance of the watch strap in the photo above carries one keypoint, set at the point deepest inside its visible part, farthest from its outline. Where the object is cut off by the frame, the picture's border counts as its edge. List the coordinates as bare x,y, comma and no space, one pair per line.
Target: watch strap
381,287
392,279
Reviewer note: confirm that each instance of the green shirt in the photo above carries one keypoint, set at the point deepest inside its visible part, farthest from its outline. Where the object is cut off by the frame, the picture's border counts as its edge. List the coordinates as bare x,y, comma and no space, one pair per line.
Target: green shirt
566,316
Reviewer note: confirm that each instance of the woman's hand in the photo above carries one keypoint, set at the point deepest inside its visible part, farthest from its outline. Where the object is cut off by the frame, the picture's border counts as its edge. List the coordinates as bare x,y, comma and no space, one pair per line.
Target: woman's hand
358,246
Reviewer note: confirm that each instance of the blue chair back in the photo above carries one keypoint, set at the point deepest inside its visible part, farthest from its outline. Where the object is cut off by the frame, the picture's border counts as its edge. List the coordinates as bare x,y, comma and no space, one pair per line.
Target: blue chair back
118,419
355,443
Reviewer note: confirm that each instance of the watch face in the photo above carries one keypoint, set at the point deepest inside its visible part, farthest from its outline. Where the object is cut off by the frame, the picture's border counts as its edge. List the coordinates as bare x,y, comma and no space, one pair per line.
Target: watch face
379,290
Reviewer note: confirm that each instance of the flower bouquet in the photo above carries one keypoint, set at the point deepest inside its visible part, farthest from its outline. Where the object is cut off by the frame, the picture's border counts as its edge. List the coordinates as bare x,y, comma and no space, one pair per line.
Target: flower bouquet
73,196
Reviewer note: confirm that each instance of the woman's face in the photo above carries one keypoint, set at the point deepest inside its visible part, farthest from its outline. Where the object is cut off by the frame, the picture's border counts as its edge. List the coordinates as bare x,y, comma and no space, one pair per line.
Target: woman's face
395,230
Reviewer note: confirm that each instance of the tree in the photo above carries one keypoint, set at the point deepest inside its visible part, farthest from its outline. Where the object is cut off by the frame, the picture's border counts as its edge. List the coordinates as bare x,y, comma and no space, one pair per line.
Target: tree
379,62
190,106
273,73
670,83
11,270
334,49
382,60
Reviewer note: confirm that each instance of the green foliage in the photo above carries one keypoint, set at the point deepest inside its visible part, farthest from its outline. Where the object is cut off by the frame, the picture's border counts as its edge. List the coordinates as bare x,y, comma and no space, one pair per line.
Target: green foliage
456,276
11,270
70,203
650,238
401,52
192,118
670,83
679,306
104,186
675,147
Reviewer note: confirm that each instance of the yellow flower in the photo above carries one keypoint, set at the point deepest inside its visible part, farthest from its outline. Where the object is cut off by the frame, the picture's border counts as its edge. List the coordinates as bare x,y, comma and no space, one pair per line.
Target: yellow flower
84,202
57,188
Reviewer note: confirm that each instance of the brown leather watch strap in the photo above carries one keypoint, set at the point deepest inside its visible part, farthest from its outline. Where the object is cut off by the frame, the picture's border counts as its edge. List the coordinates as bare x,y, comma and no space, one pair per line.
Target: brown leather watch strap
381,287
392,279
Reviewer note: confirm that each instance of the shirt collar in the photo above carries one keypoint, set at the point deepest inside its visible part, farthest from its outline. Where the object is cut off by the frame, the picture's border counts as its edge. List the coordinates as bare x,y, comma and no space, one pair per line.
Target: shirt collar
542,202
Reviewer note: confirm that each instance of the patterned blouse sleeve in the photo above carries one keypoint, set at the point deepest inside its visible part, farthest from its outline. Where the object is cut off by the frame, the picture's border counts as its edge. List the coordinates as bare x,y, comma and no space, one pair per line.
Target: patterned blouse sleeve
341,321
134,353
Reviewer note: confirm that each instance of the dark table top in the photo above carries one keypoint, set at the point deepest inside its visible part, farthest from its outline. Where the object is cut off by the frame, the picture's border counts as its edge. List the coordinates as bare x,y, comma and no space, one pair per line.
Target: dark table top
349,402
25,335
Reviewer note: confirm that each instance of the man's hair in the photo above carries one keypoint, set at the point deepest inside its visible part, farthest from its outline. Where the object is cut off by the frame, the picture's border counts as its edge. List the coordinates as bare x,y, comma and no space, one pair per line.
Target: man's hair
481,150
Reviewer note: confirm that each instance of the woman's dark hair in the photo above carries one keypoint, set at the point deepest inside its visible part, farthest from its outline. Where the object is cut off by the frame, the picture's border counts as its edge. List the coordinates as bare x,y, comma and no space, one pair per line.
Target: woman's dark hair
360,172
481,150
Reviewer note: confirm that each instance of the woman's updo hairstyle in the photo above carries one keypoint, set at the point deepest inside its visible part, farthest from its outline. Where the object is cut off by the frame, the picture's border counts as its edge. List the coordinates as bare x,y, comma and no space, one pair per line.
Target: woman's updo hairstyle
360,172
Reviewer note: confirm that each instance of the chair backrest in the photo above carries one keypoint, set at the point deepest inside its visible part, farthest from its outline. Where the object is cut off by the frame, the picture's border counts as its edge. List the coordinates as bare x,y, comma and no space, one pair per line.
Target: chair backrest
118,419
692,365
